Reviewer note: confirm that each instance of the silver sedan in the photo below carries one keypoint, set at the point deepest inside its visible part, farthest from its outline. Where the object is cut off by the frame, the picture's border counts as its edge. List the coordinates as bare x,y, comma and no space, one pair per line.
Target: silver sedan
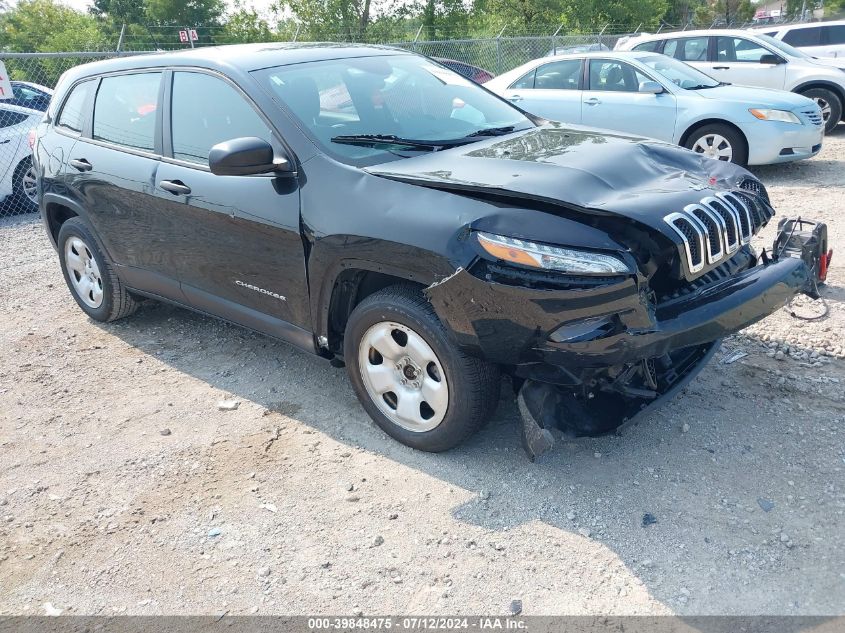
655,96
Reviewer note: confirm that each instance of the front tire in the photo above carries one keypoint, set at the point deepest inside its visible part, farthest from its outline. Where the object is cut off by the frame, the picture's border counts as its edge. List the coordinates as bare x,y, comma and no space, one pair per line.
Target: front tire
25,187
90,275
831,106
719,142
410,378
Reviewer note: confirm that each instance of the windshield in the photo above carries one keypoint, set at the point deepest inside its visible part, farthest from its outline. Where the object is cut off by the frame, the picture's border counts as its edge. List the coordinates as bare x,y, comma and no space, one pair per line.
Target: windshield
782,47
679,73
342,103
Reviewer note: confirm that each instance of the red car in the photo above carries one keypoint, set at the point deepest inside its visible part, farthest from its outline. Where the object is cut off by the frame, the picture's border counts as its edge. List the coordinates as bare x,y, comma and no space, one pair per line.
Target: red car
476,74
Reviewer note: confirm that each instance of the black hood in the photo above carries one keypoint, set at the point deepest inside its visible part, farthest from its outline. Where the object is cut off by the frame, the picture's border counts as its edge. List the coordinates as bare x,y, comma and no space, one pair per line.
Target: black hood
576,168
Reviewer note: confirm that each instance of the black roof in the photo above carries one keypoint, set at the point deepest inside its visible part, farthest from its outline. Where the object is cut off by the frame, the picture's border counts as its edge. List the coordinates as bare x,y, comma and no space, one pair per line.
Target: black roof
242,57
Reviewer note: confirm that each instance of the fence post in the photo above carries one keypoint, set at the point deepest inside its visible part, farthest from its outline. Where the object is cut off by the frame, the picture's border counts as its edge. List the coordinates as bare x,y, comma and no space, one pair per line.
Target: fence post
499,51
554,40
296,35
190,39
120,39
598,39
416,37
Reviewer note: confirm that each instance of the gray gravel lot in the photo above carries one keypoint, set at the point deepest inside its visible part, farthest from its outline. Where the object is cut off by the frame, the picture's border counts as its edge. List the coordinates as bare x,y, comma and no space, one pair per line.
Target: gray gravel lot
125,489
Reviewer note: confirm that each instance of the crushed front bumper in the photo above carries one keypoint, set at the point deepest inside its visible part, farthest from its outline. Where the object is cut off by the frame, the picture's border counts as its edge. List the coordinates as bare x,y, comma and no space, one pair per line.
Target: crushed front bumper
514,325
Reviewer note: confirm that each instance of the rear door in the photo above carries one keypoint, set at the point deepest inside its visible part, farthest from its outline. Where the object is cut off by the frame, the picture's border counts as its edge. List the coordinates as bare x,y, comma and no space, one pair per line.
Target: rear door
241,254
739,61
613,101
12,133
111,170
552,91
833,41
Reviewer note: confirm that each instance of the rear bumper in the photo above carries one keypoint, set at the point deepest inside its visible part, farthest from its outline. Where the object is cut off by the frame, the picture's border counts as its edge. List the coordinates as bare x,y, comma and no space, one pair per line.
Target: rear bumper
513,325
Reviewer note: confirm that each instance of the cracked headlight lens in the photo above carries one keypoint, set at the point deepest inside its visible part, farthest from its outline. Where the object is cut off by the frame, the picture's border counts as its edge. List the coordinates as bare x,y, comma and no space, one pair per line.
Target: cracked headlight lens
547,257
765,114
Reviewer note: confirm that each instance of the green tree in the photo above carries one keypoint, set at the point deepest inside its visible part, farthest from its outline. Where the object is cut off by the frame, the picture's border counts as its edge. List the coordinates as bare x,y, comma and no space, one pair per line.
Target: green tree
47,25
246,25
119,11
184,13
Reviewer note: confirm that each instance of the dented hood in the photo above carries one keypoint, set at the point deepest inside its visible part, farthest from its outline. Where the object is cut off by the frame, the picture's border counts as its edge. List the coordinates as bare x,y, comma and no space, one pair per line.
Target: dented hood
576,168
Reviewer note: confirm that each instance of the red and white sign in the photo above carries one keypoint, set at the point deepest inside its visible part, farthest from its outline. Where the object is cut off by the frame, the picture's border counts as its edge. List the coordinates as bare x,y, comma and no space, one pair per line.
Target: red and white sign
5,84
188,35
193,34
183,37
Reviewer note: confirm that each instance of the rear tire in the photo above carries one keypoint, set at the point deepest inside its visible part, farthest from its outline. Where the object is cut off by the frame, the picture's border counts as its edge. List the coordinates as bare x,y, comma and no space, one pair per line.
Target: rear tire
418,386
831,106
24,187
90,275
720,142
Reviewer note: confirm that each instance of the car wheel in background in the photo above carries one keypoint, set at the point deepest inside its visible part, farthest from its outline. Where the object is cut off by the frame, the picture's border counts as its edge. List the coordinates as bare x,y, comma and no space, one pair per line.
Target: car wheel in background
830,103
25,187
719,142
411,379
90,275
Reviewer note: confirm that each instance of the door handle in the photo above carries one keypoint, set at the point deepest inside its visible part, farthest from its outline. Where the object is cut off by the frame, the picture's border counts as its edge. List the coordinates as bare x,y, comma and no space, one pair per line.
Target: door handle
81,164
5,140
721,67
176,187
515,98
592,101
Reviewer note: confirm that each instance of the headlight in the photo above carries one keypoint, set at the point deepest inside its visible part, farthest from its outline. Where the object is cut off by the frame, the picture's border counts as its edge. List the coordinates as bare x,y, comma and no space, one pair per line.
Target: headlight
548,257
784,116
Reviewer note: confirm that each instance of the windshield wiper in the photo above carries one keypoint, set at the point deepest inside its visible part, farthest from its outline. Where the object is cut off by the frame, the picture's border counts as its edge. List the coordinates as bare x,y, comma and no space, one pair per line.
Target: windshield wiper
374,140
492,131
703,86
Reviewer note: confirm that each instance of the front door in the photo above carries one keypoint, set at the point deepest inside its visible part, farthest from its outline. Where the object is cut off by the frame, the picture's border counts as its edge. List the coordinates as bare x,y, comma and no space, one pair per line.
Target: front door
241,255
739,61
613,101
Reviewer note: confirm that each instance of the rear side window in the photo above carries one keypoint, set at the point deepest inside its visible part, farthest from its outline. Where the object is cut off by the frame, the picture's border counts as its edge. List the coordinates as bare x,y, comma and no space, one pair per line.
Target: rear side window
206,111
811,36
835,34
687,49
125,110
8,118
650,47
72,115
562,75
741,50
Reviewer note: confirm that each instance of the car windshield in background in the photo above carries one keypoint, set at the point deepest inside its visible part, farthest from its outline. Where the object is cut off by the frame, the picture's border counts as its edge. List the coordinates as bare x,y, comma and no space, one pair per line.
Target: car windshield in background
679,73
372,109
783,47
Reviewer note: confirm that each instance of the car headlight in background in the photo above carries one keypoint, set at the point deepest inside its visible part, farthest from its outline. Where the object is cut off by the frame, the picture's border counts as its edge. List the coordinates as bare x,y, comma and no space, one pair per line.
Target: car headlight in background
548,257
765,114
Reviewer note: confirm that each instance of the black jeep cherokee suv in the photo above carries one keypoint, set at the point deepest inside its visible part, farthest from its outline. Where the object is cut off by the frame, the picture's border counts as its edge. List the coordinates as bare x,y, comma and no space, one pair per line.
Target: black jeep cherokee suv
374,207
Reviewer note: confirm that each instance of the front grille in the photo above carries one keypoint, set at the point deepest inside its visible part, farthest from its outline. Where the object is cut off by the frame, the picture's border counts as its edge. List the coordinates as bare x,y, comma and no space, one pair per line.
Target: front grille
813,116
756,187
718,225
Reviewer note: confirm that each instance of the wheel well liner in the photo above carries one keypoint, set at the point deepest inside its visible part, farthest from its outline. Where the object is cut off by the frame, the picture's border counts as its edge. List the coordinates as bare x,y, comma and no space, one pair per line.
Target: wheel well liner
350,288
58,214
700,124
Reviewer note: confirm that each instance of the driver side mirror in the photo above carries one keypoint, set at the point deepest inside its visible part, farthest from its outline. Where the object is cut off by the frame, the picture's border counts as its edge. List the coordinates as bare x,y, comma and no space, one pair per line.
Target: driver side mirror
246,156
651,87
771,59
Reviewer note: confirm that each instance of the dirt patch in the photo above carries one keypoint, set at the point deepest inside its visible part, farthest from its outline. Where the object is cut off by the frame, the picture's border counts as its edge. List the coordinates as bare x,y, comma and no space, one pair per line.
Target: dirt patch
729,500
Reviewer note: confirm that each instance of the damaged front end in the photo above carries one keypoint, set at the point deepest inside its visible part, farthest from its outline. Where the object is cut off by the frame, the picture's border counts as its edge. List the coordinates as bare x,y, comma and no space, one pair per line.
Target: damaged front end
591,353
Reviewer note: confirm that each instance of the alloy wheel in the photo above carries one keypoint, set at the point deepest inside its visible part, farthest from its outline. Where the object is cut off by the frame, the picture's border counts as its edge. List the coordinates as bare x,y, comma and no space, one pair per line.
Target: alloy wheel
714,146
403,376
84,272
825,106
29,185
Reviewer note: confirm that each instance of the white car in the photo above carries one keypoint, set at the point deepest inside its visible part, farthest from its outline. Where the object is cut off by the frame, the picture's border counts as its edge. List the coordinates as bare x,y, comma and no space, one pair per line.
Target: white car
648,94
819,39
747,58
18,189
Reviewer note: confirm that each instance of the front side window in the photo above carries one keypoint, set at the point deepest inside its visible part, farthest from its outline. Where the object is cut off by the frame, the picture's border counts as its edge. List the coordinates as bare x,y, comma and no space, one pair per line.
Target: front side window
613,76
562,75
397,96
73,112
205,111
739,49
679,73
125,110
835,34
811,36
526,82
687,49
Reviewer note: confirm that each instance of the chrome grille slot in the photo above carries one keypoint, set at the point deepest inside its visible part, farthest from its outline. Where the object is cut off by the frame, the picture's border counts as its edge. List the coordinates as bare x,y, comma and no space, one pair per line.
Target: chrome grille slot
813,116
741,208
731,222
692,232
755,187
713,225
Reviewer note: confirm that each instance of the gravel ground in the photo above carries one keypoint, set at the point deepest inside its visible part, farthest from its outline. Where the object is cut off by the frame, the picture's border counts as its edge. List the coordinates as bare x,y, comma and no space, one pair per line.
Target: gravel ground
124,488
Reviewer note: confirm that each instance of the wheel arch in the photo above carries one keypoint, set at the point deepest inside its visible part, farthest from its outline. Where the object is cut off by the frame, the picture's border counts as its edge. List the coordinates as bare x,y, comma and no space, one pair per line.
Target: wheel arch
834,88
56,211
711,121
